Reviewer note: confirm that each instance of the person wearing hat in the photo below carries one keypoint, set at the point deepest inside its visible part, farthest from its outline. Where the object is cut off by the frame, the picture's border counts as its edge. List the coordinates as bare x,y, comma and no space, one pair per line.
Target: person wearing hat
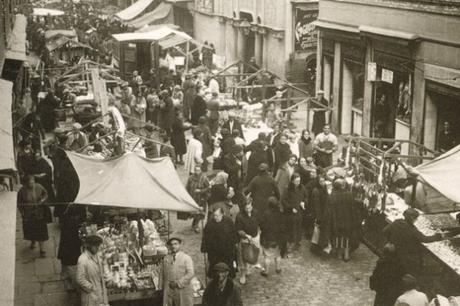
178,271
260,153
68,99
219,241
407,239
282,153
90,274
46,111
319,114
222,291
198,107
76,139
198,188
194,154
262,187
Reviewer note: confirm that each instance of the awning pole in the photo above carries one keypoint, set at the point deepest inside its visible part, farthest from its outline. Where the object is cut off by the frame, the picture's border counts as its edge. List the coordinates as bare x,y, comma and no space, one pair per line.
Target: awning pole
187,56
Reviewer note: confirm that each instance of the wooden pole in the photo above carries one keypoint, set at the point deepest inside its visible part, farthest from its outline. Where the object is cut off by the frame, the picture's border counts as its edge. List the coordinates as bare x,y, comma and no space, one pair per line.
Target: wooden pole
187,56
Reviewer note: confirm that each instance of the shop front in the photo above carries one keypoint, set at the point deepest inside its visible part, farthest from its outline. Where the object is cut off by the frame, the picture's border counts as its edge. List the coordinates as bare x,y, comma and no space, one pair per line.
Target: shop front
442,127
391,107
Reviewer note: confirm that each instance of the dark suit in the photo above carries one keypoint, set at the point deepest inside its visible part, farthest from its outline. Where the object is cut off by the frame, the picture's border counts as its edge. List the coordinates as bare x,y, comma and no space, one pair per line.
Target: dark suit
236,126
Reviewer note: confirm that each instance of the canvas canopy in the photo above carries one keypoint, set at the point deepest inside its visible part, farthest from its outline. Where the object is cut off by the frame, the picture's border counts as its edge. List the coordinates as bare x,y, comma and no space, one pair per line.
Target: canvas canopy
7,252
443,174
131,181
157,35
16,48
6,127
46,12
134,10
161,12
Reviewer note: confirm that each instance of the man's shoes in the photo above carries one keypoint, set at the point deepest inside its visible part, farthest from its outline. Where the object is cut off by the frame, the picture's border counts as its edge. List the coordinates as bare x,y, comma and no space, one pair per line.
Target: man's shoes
264,273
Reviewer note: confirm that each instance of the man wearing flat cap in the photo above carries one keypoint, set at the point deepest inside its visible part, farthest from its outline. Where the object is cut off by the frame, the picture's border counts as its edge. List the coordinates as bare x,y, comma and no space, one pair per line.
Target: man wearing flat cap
90,274
222,291
76,139
177,273
407,239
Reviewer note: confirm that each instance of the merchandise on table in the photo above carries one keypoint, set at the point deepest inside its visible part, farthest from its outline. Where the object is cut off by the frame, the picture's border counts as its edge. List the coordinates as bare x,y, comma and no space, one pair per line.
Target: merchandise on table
131,262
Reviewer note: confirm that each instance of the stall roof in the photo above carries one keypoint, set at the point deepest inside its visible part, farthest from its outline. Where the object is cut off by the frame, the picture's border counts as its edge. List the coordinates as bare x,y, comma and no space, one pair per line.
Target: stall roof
131,181
67,33
156,16
443,174
157,35
155,27
8,250
134,10
16,49
6,127
61,41
47,12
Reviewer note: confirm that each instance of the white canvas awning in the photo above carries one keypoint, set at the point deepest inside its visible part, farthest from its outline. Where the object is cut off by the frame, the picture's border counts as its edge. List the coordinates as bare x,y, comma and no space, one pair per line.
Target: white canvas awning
16,48
161,12
134,10
8,251
47,12
6,127
157,35
443,174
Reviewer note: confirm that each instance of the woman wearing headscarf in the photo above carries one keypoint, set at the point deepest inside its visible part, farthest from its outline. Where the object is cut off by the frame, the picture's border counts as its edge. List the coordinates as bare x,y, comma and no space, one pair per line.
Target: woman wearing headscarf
219,190
305,145
31,197
178,97
178,137
293,202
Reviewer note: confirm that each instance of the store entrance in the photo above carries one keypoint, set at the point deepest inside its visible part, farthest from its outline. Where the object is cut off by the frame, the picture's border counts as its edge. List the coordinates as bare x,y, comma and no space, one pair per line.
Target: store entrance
448,112
384,110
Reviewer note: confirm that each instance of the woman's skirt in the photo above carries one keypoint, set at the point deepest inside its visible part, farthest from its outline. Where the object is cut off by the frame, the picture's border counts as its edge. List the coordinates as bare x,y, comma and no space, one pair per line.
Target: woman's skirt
35,230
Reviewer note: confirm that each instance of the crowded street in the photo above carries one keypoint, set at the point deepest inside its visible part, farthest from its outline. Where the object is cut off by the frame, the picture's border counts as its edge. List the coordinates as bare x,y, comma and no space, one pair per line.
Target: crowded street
229,153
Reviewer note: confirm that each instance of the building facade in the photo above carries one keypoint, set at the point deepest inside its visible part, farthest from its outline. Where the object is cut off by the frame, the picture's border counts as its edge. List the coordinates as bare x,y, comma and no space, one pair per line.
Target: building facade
278,34
391,68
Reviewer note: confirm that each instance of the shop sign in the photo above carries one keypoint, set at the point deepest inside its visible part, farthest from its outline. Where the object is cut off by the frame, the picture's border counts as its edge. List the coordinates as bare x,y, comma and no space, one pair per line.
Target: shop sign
387,76
206,6
305,33
371,71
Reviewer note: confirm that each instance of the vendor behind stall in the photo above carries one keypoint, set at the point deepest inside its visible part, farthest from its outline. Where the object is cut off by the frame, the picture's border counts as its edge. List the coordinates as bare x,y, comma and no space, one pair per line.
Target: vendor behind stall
407,240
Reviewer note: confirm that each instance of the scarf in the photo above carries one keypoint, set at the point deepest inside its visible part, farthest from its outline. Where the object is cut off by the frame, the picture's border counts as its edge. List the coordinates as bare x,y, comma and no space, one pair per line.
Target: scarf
306,141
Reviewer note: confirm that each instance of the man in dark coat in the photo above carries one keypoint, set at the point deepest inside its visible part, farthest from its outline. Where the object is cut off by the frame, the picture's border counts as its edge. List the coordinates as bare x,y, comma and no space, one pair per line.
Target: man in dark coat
219,241
262,187
46,110
386,277
166,112
282,152
233,124
198,108
233,165
319,118
222,291
260,153
189,89
407,240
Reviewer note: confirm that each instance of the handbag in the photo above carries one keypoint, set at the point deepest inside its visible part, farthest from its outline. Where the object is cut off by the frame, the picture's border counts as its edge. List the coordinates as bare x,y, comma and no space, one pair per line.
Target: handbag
250,253
315,235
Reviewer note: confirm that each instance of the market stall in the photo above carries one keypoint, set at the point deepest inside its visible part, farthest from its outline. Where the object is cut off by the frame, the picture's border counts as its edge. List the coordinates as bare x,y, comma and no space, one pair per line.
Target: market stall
133,247
380,177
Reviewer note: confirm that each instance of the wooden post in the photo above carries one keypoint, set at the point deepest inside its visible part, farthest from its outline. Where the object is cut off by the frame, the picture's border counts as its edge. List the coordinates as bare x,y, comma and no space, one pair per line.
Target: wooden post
187,56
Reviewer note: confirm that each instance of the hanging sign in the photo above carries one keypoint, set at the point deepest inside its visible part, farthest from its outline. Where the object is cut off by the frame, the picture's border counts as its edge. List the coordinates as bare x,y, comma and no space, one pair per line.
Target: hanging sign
305,33
387,75
371,71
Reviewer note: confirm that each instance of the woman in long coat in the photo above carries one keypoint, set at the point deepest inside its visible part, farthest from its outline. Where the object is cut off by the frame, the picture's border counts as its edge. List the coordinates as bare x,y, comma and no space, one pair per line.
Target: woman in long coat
43,174
199,108
30,203
178,137
138,107
194,154
166,112
320,213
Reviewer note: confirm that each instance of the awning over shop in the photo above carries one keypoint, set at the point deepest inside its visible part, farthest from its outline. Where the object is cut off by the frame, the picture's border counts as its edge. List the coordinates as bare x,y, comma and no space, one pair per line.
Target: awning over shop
131,181
6,127
47,12
162,11
443,174
8,249
157,35
53,33
16,48
134,10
